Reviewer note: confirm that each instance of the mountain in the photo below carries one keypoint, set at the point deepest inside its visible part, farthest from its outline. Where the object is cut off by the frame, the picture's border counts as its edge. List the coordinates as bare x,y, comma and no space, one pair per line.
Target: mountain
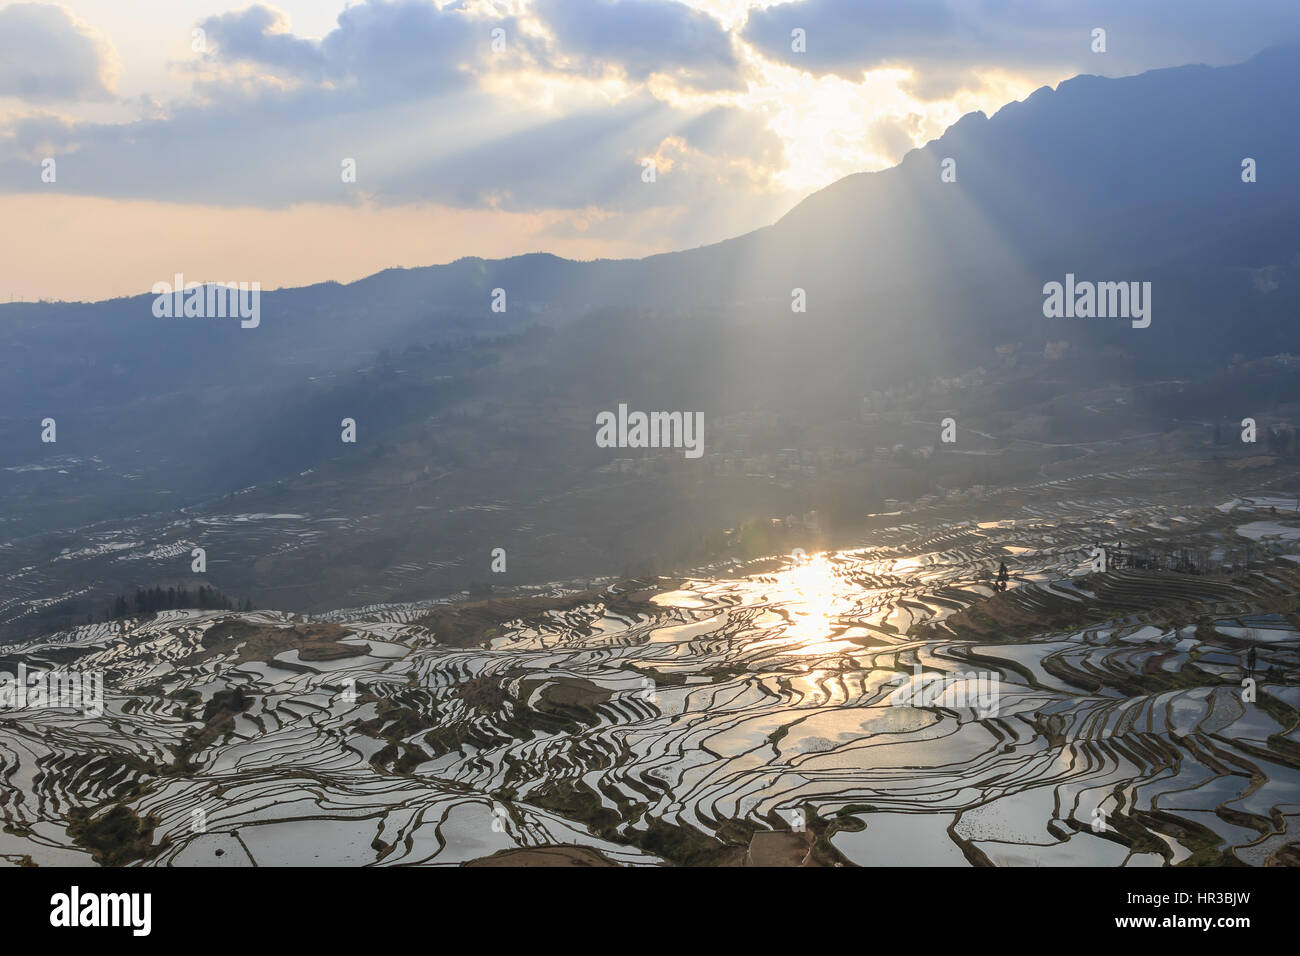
924,299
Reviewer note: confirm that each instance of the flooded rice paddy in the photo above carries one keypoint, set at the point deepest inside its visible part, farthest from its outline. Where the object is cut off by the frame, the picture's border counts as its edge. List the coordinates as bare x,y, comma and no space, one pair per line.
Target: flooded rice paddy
878,706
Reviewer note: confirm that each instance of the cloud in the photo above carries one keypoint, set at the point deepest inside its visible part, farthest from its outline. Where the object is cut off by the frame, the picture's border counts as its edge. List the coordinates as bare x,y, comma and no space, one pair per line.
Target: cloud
946,39
47,54
643,37
385,49
395,87
561,118
893,136
260,34
415,47
463,151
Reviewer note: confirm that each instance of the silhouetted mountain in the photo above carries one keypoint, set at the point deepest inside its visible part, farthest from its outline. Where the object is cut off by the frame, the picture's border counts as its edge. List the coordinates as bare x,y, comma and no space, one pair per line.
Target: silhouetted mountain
908,280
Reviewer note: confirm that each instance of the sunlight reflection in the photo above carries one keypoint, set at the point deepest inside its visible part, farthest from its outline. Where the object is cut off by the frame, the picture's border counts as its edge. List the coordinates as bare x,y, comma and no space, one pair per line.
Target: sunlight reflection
814,600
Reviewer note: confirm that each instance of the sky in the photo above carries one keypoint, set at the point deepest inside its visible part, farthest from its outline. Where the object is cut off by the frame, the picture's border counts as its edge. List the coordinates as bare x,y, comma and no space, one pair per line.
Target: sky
144,138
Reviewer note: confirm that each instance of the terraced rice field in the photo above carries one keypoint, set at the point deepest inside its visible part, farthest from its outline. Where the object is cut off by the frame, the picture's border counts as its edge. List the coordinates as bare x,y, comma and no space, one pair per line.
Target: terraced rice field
875,706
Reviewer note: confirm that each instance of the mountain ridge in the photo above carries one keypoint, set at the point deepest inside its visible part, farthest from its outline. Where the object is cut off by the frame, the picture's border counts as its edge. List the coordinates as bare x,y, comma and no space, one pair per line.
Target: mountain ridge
1045,97
924,300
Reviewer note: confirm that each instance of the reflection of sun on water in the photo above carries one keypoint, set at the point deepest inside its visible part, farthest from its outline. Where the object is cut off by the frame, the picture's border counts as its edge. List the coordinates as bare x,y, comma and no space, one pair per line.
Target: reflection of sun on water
813,602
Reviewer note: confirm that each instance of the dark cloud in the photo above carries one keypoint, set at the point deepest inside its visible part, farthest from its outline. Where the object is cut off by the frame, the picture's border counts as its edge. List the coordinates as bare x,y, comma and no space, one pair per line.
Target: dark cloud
945,39
643,37
259,34
47,54
285,149
398,49
414,46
